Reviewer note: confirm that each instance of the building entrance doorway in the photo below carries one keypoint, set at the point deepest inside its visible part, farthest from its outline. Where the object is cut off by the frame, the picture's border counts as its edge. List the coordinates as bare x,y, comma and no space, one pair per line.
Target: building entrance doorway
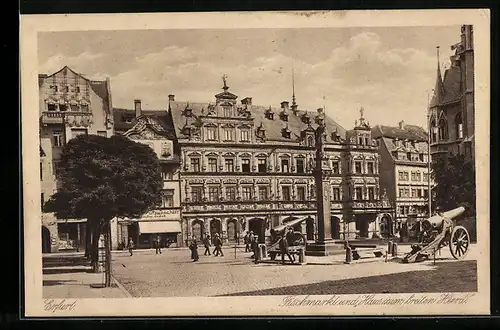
215,228
258,226
362,224
45,240
335,227
310,229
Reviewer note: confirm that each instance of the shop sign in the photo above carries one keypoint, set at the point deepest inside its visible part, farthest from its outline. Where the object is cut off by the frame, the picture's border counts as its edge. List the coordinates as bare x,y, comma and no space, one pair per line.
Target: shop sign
163,214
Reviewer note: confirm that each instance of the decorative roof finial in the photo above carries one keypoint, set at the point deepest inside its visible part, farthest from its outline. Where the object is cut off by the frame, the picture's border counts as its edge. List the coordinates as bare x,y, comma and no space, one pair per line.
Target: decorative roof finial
293,87
361,111
224,80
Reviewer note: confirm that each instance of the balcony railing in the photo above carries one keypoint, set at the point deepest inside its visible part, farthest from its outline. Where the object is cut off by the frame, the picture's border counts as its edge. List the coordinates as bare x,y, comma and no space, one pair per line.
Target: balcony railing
56,117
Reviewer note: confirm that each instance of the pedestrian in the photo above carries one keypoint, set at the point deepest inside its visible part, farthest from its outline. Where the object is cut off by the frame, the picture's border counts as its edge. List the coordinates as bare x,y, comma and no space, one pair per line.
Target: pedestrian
157,244
246,239
253,245
218,245
206,243
284,250
290,239
130,245
193,246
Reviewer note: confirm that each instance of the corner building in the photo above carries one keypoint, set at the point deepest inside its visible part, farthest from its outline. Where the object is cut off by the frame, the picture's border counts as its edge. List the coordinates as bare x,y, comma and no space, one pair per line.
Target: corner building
248,167
404,173
70,104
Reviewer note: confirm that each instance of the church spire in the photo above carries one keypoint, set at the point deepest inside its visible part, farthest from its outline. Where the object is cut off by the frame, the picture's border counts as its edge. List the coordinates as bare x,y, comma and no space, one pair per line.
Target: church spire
438,89
294,103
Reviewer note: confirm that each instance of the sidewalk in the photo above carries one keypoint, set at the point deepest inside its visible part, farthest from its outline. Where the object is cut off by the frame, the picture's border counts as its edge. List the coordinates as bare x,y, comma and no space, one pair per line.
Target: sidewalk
67,276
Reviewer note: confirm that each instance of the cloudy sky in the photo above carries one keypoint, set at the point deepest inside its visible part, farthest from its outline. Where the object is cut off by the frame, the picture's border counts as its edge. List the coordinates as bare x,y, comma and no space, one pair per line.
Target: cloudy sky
388,71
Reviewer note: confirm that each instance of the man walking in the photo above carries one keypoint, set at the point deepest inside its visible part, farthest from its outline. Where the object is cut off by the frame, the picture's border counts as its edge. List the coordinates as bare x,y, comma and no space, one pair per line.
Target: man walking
157,244
130,245
284,249
290,239
246,239
206,243
218,245
193,246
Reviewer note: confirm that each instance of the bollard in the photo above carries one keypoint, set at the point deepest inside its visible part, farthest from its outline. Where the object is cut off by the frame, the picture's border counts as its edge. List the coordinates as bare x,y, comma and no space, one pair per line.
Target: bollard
302,256
394,249
264,251
348,254
389,247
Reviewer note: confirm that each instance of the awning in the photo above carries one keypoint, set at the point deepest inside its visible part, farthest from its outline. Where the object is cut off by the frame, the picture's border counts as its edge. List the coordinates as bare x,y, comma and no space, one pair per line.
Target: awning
153,227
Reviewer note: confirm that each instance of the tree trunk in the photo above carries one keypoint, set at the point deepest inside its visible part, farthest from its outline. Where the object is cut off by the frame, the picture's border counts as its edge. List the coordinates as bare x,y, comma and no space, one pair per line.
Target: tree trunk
88,239
94,254
108,253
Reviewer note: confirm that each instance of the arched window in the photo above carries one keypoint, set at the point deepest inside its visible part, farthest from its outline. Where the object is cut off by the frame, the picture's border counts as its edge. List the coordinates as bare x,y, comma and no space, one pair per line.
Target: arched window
310,141
197,229
459,126
231,231
442,131
433,131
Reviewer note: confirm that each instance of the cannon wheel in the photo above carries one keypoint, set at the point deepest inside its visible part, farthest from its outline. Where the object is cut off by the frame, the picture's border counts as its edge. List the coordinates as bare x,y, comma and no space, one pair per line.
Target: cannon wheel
459,242
300,239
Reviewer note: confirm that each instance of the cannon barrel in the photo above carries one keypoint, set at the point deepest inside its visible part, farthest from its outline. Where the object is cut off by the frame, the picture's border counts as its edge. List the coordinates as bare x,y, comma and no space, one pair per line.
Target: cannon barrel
280,229
437,220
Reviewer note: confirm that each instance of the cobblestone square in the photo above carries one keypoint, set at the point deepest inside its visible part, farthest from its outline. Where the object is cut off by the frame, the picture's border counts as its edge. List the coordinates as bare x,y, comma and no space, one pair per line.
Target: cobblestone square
173,274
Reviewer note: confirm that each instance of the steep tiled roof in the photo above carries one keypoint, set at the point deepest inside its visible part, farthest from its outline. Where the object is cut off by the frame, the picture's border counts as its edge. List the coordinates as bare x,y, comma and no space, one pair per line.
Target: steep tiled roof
120,116
159,122
273,127
452,84
420,147
409,132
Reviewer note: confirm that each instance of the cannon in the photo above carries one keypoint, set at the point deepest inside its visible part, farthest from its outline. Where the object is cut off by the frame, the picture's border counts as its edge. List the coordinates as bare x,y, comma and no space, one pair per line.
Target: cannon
439,231
299,241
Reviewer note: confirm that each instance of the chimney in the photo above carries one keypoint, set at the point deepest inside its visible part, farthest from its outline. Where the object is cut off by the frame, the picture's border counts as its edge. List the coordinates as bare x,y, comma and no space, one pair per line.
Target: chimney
171,97
247,101
138,109
284,106
401,124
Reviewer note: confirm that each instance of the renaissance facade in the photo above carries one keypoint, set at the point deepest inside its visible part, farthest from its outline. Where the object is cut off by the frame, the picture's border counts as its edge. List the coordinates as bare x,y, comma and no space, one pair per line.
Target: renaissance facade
248,167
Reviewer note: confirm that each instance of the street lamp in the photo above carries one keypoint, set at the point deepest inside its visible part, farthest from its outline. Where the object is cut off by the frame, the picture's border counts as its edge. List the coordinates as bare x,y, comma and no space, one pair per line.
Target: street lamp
430,128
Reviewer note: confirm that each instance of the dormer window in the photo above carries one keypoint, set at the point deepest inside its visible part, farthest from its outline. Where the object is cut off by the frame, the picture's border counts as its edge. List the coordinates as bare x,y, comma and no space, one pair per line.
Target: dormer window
306,119
310,141
261,132
188,112
286,132
270,114
284,116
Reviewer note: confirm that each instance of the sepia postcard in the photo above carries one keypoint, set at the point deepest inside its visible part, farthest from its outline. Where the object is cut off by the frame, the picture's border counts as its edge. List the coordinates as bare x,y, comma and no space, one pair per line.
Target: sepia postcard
256,163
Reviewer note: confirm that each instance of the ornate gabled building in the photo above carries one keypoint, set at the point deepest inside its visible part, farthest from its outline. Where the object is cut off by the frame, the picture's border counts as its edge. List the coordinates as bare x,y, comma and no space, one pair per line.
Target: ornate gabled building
404,171
70,104
248,167
451,108
153,128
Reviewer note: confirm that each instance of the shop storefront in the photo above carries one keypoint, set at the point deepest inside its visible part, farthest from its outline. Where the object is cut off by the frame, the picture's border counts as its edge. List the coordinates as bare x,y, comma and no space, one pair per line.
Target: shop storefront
163,223
71,234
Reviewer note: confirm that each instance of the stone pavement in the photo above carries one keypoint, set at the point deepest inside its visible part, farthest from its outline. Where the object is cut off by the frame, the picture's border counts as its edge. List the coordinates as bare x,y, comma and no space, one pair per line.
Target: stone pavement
173,274
66,275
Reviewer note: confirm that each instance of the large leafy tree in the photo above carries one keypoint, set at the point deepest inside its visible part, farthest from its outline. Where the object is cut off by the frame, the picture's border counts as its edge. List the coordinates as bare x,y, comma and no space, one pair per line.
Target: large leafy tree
102,178
456,184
